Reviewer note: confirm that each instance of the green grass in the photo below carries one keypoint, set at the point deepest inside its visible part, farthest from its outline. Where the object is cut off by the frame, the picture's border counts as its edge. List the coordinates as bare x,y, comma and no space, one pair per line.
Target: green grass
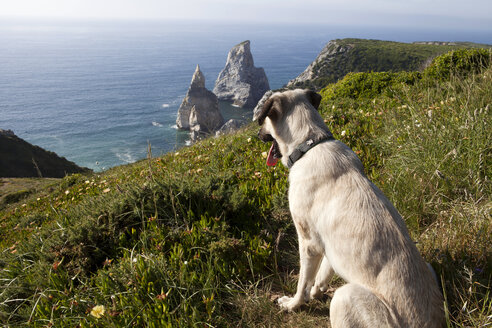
203,238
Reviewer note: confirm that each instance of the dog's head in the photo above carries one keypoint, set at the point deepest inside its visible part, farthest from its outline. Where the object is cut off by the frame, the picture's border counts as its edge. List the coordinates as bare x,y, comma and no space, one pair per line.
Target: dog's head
279,117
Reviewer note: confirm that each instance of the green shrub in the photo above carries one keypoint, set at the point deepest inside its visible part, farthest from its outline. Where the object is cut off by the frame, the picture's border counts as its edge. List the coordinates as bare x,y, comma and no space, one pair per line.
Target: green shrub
459,62
368,85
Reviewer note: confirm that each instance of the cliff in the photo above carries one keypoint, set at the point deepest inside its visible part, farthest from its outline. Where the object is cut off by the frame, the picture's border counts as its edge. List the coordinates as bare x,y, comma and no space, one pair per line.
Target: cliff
342,56
18,158
240,82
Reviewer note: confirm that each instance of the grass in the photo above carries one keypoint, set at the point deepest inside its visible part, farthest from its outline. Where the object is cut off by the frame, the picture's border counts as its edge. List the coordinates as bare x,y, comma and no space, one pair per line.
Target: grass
203,238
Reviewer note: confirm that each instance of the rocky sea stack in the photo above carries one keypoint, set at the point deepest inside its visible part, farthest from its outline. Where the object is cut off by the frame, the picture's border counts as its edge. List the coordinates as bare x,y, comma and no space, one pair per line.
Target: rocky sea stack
199,111
240,82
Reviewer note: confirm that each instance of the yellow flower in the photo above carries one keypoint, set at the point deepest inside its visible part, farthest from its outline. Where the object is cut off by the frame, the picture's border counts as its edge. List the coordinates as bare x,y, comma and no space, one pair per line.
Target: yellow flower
98,311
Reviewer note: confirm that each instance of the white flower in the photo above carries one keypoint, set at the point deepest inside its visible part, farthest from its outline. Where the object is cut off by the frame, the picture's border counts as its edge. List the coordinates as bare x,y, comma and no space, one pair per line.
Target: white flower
185,262
249,139
343,133
264,154
98,311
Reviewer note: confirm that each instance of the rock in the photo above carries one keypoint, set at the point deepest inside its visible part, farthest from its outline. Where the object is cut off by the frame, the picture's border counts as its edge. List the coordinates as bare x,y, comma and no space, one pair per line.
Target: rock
199,110
229,127
240,82
7,133
331,51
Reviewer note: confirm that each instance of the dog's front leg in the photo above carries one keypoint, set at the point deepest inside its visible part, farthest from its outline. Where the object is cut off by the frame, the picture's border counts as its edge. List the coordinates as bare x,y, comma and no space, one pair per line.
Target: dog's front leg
309,260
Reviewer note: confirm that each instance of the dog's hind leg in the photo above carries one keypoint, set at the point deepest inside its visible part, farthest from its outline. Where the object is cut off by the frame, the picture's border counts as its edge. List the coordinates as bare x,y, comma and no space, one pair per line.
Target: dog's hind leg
310,260
323,278
354,306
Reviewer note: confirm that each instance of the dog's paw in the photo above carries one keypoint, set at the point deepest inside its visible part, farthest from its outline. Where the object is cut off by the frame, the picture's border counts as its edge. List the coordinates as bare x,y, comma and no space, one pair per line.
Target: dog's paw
289,303
317,291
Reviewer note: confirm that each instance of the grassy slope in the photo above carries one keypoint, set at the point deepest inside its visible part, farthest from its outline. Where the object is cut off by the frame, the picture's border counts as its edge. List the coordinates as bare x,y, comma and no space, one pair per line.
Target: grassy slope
203,236
377,56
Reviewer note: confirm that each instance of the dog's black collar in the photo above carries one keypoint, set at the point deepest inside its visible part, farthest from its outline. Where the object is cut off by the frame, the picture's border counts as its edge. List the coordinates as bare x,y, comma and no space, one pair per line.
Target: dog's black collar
304,148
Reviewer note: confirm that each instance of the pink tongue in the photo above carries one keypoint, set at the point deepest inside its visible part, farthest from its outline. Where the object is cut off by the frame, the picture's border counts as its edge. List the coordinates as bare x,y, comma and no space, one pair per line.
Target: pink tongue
271,161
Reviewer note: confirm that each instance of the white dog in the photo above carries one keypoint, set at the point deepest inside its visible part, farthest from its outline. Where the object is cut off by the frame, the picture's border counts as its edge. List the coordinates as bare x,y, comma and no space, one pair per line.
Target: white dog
345,225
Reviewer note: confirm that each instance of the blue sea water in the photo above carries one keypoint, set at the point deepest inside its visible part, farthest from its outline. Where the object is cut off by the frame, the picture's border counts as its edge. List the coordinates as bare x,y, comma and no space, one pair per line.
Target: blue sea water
98,93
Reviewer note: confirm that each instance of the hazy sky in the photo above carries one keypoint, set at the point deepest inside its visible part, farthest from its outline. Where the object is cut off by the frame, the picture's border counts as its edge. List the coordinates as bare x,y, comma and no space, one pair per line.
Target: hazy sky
471,14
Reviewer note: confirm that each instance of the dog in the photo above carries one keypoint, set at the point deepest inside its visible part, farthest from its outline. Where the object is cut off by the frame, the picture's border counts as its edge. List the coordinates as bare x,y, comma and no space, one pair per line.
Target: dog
345,225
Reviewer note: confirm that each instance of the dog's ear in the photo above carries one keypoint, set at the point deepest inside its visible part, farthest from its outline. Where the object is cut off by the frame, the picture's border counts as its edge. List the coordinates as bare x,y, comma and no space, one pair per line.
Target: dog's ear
269,109
314,98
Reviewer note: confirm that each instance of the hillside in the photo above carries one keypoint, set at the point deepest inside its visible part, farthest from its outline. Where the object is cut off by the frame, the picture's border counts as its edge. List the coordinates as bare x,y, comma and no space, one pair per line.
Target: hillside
18,158
203,237
342,56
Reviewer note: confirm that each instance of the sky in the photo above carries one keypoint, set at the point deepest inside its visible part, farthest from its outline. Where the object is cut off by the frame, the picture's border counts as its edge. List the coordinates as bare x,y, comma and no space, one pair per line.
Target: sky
470,14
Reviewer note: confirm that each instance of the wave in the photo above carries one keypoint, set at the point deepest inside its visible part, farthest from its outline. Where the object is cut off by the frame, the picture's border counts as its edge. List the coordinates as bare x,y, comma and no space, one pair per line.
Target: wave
165,105
157,124
126,157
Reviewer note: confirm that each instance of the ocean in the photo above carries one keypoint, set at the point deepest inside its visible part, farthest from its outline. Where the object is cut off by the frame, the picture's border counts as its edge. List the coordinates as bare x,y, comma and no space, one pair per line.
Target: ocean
98,93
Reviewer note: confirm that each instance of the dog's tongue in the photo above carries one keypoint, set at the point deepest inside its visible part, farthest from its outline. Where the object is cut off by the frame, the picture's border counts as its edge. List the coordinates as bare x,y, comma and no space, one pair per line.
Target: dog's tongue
271,160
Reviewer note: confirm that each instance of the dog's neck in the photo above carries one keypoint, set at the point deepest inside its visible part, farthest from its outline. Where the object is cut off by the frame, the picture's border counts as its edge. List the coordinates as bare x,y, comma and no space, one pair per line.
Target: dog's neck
303,148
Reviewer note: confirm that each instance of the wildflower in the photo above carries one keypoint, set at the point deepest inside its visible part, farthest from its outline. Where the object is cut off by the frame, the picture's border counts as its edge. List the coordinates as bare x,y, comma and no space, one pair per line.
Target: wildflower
264,154
161,296
56,265
98,311
106,190
343,133
67,192
87,182
185,262
249,139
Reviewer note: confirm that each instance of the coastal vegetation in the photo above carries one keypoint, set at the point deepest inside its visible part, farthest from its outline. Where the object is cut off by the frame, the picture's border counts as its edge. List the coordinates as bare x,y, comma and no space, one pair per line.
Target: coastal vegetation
359,55
202,237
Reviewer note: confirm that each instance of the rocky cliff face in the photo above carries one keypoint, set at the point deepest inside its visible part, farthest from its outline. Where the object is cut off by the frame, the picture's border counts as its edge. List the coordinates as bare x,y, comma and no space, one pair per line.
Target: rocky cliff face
240,82
332,50
199,110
